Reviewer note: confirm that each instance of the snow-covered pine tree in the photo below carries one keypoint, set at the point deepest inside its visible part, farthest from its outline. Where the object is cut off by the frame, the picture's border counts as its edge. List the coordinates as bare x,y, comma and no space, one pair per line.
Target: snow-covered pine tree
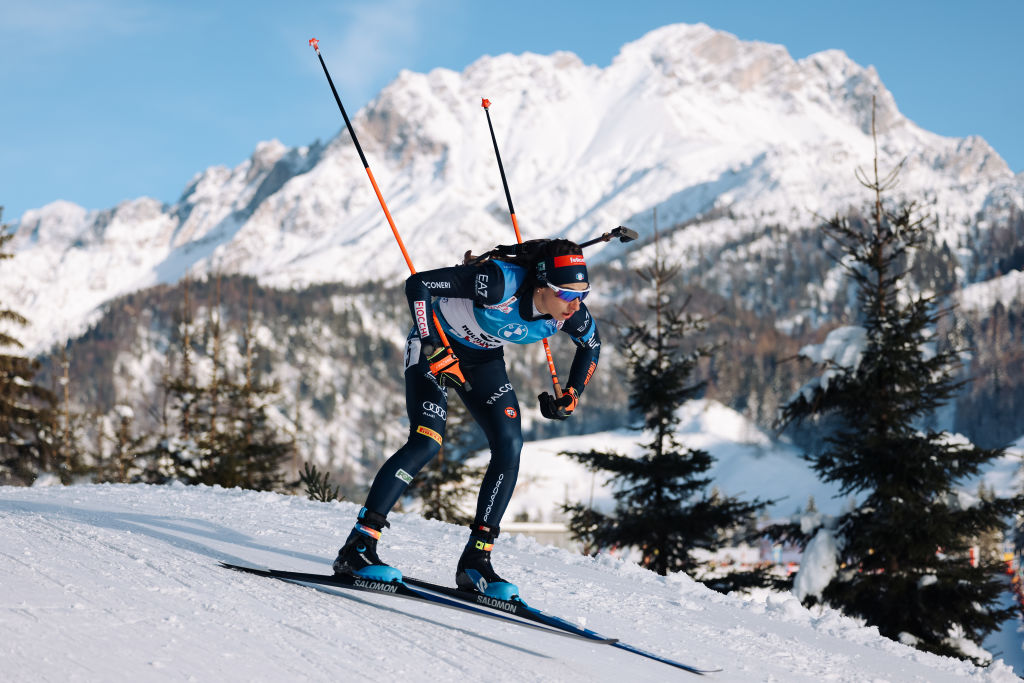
119,446
28,442
903,550
664,503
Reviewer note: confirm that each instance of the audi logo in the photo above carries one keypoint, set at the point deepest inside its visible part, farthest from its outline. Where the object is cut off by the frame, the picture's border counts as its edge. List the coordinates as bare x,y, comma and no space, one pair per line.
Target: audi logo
435,409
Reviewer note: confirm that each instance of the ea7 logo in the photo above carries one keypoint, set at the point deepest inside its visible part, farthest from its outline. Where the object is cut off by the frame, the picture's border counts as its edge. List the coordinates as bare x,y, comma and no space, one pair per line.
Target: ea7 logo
481,285
586,323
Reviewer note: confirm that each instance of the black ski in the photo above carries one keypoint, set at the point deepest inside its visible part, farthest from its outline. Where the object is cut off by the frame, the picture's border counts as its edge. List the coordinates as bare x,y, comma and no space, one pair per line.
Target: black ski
476,603
518,607
393,588
515,606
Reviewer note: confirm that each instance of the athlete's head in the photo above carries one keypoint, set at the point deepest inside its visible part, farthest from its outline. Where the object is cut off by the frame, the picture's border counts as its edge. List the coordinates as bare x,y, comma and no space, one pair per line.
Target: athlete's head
560,263
561,278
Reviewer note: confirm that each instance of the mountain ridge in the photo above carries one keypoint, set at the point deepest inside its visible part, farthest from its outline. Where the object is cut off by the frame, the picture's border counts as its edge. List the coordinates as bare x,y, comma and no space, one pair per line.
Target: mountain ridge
687,119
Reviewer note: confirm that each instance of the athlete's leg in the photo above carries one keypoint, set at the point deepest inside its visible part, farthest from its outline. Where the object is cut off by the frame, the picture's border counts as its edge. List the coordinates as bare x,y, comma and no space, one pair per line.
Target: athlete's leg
426,403
493,404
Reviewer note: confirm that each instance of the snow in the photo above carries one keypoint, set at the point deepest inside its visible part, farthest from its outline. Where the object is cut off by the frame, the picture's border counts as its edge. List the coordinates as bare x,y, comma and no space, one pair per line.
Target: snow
817,565
841,351
120,582
843,346
1006,289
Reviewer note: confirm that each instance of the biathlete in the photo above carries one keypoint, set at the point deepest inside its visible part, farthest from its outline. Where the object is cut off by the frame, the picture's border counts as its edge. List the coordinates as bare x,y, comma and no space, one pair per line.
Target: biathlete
516,294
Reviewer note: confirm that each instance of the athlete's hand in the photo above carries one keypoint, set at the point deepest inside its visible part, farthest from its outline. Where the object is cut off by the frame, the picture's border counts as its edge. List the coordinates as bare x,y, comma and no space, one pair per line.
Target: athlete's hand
558,408
444,364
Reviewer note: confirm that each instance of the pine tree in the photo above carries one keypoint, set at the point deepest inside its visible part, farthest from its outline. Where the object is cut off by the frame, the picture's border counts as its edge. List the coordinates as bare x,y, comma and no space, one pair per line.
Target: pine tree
318,485
223,433
663,504
117,462
69,427
28,435
253,451
175,453
904,548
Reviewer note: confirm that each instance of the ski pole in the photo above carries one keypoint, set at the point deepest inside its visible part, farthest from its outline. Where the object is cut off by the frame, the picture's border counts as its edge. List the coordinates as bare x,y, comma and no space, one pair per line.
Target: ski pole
456,370
486,104
621,233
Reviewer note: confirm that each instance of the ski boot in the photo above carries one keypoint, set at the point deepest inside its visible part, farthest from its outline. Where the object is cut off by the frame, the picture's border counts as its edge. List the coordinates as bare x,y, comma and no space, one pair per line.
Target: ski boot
475,572
359,554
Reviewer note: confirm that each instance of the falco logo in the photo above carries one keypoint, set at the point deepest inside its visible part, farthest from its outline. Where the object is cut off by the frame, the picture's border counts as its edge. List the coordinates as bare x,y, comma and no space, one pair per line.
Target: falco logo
481,285
438,285
504,389
420,308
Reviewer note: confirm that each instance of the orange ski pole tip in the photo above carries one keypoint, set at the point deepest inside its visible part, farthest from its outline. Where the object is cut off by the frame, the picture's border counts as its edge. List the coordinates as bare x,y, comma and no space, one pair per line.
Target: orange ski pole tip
314,43
485,103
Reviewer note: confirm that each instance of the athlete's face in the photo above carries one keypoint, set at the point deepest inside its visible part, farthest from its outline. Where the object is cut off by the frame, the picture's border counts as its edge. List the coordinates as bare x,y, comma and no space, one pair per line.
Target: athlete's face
548,302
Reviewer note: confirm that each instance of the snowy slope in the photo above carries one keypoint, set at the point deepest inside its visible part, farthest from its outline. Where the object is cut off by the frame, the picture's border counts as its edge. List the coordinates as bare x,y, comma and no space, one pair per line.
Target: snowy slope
687,119
105,583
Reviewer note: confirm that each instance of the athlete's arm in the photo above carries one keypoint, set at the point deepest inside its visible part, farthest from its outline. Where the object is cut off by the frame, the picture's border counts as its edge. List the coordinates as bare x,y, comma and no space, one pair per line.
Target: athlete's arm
582,329
484,284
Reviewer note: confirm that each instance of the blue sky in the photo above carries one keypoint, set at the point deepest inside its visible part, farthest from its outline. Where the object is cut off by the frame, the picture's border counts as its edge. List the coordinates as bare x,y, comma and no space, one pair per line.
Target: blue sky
106,100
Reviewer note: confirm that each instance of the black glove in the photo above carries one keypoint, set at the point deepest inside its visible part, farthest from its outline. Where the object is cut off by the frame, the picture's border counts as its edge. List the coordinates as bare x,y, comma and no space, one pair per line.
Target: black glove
558,408
444,364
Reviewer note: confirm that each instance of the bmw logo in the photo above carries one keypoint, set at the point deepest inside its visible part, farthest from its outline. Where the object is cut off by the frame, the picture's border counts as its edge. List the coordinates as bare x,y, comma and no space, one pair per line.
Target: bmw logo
513,331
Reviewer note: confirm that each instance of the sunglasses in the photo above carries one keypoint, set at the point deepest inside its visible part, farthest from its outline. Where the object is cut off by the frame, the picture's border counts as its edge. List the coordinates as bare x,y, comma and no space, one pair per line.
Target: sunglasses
569,294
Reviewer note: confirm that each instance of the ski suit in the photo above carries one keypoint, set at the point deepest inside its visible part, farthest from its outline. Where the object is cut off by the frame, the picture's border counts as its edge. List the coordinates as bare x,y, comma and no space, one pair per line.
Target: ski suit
480,308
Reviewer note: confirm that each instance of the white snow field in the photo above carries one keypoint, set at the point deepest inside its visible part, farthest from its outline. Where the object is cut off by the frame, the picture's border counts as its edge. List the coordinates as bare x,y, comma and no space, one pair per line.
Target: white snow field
121,583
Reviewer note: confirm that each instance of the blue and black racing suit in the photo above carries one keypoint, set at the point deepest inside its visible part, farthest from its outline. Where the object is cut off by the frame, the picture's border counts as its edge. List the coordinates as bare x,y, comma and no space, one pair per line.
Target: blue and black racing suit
480,308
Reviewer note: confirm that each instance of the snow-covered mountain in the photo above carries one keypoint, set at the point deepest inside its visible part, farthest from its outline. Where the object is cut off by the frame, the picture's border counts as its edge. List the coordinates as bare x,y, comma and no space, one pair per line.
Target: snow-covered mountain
120,582
704,127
